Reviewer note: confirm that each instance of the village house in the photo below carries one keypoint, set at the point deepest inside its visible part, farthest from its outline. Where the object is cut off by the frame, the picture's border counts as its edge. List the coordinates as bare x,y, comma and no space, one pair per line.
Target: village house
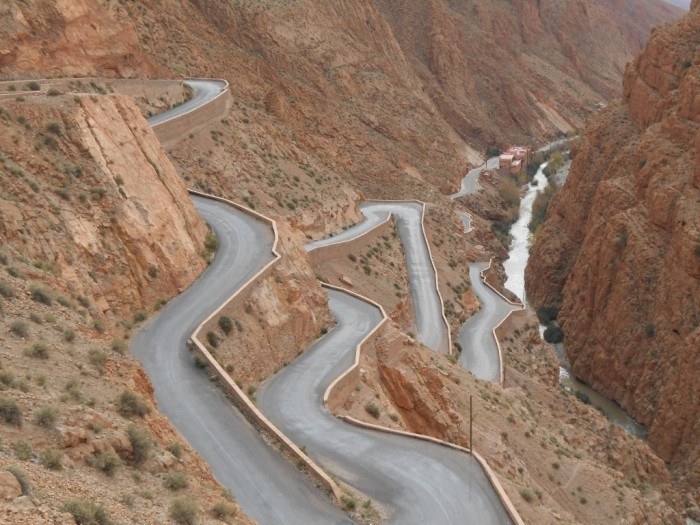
514,160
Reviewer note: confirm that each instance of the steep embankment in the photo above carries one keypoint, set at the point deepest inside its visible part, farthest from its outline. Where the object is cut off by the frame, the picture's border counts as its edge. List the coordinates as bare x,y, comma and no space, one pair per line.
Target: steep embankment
620,250
97,229
74,180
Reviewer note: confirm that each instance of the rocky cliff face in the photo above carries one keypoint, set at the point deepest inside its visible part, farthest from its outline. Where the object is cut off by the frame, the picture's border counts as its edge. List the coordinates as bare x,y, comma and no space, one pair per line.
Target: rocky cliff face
548,62
69,37
89,194
620,250
95,226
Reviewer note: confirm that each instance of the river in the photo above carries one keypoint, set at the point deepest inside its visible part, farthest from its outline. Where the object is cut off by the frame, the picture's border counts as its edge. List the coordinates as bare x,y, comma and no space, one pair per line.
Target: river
515,271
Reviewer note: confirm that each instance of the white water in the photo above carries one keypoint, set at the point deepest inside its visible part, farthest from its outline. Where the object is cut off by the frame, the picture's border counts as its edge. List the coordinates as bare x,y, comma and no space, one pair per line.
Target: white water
520,234
515,271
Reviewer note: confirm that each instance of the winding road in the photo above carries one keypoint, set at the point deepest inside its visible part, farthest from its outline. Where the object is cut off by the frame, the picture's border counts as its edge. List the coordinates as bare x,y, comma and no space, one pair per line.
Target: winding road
265,484
479,350
421,482
203,92
431,327
470,183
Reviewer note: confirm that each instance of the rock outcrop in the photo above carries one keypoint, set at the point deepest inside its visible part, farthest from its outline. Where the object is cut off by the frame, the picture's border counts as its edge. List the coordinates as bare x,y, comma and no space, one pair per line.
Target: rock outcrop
69,37
90,196
620,250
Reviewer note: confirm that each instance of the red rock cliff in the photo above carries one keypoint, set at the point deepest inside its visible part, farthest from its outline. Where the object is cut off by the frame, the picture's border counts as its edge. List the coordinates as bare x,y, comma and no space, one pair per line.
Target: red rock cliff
620,250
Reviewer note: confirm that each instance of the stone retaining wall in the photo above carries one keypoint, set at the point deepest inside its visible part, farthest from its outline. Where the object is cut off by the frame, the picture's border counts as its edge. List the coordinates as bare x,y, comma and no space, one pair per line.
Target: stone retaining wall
342,249
174,130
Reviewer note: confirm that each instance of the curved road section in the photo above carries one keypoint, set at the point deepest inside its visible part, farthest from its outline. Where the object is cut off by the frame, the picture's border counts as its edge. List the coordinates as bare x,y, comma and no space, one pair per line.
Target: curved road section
470,182
421,482
268,488
479,350
427,305
204,91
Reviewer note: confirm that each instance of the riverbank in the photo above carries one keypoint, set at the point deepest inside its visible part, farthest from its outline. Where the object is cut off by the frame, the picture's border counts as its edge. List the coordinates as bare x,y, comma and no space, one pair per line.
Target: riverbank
514,266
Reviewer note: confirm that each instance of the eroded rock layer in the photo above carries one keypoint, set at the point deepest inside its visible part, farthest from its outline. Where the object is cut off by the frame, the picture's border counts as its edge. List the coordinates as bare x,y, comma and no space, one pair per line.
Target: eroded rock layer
620,250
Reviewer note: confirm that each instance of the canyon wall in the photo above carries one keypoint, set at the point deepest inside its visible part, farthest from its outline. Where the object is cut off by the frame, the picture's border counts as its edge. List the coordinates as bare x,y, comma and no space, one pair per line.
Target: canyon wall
620,249
69,37
411,91
548,62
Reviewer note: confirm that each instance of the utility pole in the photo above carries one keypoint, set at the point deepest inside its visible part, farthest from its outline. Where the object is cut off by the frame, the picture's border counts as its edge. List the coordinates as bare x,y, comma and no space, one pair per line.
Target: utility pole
471,419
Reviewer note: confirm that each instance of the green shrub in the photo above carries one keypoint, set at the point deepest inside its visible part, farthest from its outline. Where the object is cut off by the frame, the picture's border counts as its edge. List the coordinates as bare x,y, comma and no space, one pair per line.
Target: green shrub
51,459
22,479
175,449
73,388
119,345
200,361
140,444
177,480
53,127
183,510
46,416
87,512
97,358
211,242
140,316
32,86
6,290
223,511
348,502
53,92
41,294
372,410
19,328
23,449
37,351
7,379
527,495
553,334
547,314
69,335
10,411
225,324
212,339
131,404
108,462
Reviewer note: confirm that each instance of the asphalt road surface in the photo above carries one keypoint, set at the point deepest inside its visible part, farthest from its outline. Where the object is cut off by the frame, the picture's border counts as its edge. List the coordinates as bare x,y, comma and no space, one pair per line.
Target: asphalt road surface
204,91
470,182
421,482
479,351
265,484
427,307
